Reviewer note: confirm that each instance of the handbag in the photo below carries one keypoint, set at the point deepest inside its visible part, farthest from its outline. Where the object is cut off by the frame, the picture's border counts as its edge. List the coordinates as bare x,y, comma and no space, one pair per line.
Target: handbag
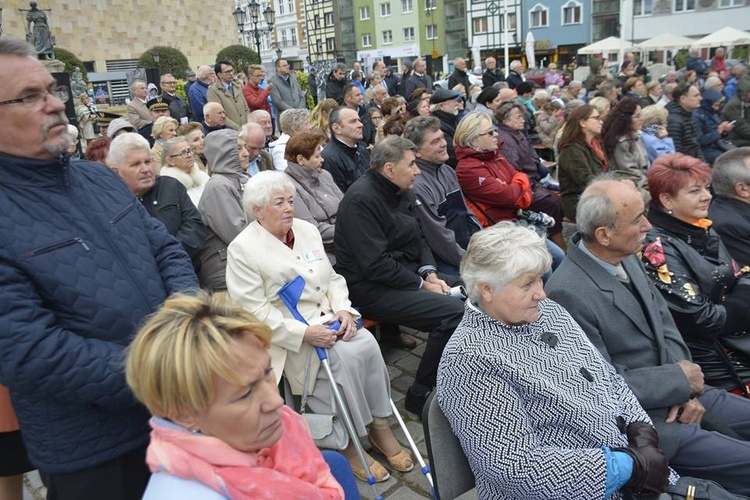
327,431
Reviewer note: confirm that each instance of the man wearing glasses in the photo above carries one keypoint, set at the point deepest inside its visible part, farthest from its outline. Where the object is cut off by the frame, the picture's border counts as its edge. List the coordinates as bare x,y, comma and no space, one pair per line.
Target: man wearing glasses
229,94
81,264
178,108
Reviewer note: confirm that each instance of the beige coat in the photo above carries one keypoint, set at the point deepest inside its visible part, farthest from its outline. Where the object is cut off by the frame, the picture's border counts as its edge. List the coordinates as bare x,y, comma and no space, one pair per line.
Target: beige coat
138,114
235,106
258,265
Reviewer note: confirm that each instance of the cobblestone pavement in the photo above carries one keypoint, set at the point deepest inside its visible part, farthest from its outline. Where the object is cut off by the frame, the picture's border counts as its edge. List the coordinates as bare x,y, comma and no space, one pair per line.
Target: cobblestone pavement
402,365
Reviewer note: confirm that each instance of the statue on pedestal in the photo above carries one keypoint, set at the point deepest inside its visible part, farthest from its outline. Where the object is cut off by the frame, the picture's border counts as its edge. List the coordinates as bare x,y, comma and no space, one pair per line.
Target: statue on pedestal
77,85
40,35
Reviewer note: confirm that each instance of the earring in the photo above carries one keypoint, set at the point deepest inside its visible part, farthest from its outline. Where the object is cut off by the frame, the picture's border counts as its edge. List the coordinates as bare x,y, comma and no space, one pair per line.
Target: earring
669,212
195,431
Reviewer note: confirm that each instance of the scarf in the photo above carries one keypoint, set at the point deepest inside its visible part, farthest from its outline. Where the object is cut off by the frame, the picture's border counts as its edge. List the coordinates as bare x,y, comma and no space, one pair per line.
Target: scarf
597,149
292,468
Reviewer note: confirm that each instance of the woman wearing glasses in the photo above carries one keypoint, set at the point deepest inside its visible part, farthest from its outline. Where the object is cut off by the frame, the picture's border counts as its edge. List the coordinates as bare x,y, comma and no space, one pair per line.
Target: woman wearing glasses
581,159
179,163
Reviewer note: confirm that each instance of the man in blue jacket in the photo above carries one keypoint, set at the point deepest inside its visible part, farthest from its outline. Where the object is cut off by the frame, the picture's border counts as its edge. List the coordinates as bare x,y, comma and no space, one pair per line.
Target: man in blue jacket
81,264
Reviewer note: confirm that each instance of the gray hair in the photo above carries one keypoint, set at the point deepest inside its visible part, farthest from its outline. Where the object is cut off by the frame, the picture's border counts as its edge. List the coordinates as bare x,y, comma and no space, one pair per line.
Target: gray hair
417,127
292,120
501,254
390,150
15,47
167,149
501,85
595,208
574,83
132,85
253,116
729,169
259,189
124,143
515,64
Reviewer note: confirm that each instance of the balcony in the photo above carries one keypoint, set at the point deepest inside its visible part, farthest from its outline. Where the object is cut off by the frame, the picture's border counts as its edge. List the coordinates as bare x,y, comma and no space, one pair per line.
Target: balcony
455,25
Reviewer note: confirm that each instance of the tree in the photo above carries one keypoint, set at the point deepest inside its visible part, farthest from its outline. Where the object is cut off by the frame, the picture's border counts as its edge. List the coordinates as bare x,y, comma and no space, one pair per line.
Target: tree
171,61
240,56
71,61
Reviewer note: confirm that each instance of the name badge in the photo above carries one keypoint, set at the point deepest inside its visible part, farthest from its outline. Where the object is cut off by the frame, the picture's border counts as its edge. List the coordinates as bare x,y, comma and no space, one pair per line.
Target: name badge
312,255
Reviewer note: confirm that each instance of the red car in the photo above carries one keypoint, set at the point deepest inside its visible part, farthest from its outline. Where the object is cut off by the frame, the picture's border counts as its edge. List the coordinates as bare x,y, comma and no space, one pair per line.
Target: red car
536,75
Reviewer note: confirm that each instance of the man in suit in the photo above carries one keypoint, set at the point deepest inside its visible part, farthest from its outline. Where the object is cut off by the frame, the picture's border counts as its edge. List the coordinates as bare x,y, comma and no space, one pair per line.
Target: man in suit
730,209
178,108
604,287
229,94
418,79
137,113
286,92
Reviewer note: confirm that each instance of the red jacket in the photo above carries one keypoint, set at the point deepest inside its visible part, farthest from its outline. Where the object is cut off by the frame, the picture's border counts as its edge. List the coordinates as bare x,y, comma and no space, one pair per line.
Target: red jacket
256,97
494,190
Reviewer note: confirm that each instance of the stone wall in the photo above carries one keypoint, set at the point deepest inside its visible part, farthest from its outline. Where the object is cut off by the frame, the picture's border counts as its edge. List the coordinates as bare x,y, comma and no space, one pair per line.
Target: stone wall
98,31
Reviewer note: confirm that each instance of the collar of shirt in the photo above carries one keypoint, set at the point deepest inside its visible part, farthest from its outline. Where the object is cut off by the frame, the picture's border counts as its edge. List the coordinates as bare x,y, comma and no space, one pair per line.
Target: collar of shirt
605,265
253,167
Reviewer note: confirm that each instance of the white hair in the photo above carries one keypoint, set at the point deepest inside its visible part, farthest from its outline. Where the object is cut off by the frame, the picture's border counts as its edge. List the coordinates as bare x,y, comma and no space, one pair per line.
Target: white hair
124,143
260,188
501,254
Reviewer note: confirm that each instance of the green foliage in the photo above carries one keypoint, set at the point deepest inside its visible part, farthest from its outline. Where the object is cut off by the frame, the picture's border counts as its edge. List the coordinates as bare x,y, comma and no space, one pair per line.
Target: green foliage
240,56
681,58
171,60
180,89
71,61
740,52
304,84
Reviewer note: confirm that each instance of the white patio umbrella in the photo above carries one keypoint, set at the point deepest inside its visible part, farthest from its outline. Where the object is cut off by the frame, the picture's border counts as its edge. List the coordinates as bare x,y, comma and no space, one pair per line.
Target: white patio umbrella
531,61
611,44
665,41
725,36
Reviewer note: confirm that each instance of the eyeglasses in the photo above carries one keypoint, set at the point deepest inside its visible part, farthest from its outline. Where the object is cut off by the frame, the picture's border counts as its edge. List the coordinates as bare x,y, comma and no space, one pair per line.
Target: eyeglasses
169,83
489,132
231,70
62,93
597,117
185,153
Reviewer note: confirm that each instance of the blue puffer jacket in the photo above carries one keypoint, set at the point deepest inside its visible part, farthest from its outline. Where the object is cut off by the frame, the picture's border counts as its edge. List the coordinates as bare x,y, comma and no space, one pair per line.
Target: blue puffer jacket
81,264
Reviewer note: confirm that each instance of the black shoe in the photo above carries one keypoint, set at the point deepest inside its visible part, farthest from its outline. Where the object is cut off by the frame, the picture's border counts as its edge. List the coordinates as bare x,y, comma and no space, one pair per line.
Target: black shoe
414,403
401,340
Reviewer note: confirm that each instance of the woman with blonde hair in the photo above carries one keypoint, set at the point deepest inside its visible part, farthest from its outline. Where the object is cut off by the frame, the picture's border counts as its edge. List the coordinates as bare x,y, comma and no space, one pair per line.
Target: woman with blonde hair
654,135
319,115
164,129
220,429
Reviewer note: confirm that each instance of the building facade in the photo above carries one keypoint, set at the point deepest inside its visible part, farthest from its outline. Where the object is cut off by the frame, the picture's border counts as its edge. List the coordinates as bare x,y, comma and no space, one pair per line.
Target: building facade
559,28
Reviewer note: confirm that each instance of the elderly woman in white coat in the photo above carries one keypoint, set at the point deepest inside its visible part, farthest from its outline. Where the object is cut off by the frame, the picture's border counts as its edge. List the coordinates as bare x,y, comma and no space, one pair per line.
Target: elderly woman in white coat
270,252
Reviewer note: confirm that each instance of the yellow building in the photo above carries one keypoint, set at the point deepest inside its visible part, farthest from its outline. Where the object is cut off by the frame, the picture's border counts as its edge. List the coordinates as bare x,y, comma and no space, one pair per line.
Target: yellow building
108,34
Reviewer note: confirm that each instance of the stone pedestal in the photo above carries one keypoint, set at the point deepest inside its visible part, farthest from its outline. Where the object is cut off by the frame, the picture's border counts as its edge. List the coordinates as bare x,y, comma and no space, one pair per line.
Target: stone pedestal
53,66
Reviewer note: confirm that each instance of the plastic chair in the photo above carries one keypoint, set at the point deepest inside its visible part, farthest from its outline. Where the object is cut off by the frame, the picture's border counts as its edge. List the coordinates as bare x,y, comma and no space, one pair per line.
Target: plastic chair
450,468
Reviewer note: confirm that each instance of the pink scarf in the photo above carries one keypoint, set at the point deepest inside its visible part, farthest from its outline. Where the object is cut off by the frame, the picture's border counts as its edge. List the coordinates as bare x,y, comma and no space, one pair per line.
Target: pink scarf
292,468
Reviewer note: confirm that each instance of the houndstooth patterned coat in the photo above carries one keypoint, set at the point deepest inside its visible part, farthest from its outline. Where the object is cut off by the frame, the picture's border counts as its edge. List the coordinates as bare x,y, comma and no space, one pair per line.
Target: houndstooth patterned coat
532,405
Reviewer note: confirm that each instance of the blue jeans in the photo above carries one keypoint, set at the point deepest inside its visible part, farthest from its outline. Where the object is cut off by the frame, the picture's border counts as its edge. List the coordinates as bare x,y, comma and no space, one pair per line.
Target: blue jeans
557,257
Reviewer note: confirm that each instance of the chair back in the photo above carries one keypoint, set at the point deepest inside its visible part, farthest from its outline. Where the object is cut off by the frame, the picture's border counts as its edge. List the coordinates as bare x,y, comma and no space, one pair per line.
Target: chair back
450,468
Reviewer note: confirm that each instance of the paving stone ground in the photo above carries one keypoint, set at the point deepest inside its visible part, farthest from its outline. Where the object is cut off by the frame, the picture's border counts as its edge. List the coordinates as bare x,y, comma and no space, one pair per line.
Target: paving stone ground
402,365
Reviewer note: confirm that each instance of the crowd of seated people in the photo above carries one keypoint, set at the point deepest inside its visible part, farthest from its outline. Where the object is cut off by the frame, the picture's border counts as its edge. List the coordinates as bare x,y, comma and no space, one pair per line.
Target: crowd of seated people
386,208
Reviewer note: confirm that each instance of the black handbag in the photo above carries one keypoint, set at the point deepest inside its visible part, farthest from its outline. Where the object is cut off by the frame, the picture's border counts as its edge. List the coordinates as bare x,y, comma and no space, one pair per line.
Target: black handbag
692,488
726,144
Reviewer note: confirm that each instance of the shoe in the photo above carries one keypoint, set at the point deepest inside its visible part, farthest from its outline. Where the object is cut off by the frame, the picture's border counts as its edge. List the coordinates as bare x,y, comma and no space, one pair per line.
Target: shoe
401,340
414,403
378,471
401,461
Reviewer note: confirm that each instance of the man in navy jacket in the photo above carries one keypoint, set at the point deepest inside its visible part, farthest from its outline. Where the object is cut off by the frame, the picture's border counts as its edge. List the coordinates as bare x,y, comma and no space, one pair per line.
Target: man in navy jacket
81,264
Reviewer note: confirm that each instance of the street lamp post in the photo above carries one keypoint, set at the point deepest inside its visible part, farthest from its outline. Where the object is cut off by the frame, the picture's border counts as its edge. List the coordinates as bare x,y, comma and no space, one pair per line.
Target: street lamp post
253,7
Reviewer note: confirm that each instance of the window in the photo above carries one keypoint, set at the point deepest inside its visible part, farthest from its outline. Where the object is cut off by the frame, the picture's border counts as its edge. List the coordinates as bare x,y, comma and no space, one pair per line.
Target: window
385,9
291,7
330,44
283,38
319,46
366,40
329,19
431,31
387,37
643,7
409,34
281,9
293,32
511,22
364,13
684,5
571,13
407,6
316,20
538,16
430,4
731,3
480,25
